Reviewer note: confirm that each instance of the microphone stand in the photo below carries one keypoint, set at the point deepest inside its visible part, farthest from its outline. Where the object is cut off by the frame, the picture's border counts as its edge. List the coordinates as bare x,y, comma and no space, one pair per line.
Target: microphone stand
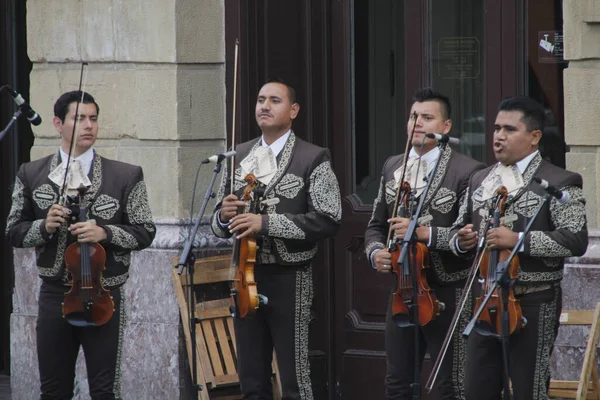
502,280
187,259
16,115
411,237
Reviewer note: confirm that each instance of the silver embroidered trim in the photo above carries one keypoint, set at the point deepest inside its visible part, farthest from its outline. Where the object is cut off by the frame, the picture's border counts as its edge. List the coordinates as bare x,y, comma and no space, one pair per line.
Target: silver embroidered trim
123,257
105,207
289,186
290,257
377,199
545,342
115,280
459,355
61,243
34,237
325,191
390,191
18,202
122,238
117,386
444,158
435,260
460,221
444,200
138,207
542,245
442,239
371,247
527,204
44,196
282,227
540,276
304,297
286,156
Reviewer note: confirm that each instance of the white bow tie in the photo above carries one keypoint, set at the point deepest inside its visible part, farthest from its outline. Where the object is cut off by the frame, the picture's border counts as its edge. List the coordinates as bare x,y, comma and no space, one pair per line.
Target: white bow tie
416,175
261,163
75,178
508,176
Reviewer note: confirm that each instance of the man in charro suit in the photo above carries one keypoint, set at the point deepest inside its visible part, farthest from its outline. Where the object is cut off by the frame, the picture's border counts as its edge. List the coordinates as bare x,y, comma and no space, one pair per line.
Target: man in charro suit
559,231
118,218
430,113
299,204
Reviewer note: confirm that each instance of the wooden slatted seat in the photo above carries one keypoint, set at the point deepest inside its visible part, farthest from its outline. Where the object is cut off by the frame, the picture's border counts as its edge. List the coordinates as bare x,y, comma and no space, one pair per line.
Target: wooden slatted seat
588,385
215,338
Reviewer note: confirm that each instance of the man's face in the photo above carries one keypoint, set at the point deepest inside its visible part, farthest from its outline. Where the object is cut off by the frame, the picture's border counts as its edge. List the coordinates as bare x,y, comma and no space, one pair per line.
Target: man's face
429,119
274,112
512,141
87,127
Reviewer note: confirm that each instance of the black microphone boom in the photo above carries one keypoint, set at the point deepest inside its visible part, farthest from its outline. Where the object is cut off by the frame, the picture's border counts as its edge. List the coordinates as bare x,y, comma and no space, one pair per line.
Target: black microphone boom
443,138
217,158
26,109
562,196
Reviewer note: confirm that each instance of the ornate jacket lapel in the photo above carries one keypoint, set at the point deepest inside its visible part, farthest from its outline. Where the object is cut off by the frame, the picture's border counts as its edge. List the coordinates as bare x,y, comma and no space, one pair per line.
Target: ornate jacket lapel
528,175
282,166
439,178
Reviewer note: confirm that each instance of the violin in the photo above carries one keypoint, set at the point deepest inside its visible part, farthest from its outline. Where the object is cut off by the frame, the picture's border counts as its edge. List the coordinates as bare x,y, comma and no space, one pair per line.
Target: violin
87,303
481,262
489,322
429,306
244,293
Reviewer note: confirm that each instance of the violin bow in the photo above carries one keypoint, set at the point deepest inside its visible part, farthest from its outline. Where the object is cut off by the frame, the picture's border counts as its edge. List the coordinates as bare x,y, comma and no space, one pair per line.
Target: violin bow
63,190
400,183
463,300
235,73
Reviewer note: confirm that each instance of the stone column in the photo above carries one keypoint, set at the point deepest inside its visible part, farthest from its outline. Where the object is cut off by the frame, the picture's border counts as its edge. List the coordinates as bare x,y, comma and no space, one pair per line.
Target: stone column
157,71
582,97
582,122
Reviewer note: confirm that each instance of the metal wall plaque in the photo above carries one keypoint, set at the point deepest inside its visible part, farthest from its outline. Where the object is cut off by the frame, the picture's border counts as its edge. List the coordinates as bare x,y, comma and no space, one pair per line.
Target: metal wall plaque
550,47
458,58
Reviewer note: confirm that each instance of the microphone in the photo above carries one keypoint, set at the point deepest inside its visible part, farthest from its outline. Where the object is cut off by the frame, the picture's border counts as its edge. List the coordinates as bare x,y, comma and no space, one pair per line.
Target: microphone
443,138
217,158
26,109
562,196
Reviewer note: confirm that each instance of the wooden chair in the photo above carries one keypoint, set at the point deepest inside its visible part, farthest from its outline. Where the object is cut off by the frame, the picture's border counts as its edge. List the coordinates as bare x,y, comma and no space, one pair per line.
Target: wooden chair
215,338
588,385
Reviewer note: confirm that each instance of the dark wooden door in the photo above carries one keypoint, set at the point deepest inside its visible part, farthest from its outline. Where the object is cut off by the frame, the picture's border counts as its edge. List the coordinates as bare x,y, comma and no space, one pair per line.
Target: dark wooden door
14,148
381,53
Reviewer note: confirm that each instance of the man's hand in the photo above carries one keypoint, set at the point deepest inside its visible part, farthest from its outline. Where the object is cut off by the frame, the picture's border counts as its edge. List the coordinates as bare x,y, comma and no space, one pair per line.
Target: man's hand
467,238
247,224
501,238
57,215
399,225
383,261
229,207
88,232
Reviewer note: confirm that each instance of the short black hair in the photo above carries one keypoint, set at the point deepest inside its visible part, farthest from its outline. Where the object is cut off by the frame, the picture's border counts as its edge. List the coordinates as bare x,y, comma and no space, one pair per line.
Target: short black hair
61,107
291,90
533,112
428,94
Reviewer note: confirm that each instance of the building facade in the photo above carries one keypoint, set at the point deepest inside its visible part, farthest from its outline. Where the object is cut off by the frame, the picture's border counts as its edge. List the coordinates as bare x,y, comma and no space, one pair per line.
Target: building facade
162,72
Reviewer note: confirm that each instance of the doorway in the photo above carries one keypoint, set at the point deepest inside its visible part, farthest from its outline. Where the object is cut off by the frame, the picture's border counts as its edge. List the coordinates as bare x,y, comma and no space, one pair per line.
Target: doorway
476,53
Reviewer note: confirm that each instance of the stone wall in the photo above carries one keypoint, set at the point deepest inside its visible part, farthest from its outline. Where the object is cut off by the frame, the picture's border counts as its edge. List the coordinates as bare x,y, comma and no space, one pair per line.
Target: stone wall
157,71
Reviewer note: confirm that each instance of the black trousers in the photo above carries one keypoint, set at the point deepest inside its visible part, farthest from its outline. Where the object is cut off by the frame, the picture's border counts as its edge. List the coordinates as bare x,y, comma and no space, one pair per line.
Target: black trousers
529,353
282,325
58,344
401,351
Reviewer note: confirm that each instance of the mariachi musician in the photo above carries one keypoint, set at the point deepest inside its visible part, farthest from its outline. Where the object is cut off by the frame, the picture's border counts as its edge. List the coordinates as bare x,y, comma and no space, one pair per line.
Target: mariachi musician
298,205
119,220
430,113
558,231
